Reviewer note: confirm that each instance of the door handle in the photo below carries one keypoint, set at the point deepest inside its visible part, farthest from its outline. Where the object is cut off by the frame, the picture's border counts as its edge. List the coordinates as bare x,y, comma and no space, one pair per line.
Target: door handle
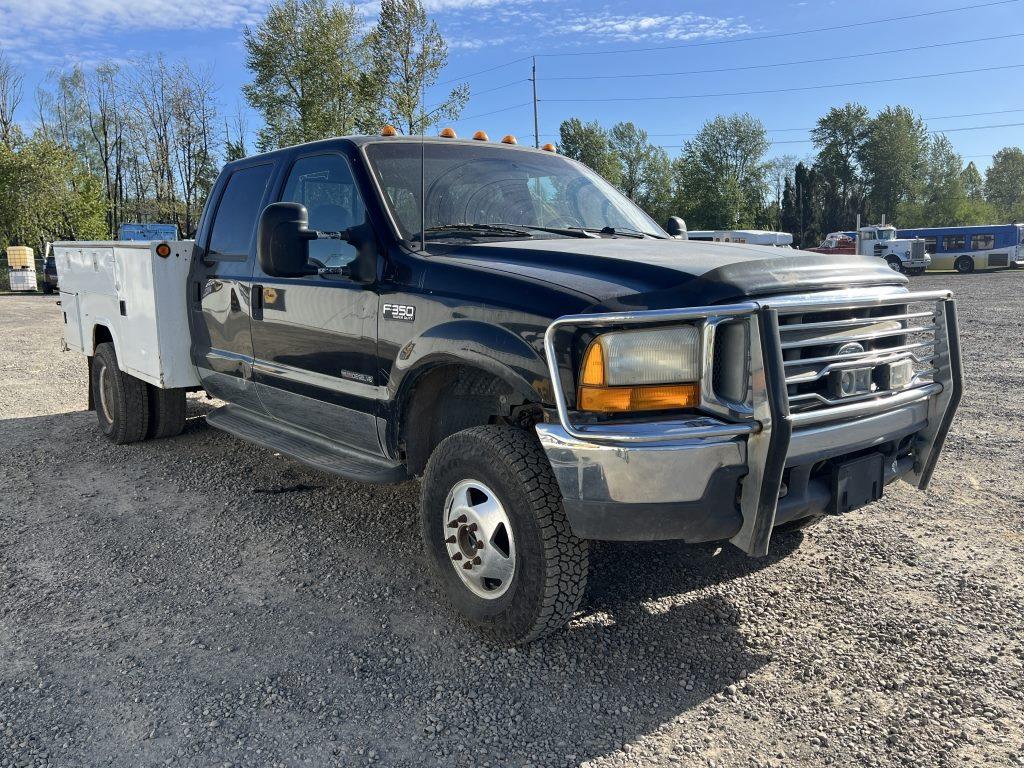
256,302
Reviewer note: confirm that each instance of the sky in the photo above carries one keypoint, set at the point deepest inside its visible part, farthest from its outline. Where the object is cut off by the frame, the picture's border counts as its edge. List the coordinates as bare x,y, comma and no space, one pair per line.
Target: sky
594,60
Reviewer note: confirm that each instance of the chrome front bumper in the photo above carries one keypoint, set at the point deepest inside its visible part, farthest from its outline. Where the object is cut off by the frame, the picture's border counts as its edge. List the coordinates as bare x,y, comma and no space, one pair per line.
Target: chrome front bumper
720,477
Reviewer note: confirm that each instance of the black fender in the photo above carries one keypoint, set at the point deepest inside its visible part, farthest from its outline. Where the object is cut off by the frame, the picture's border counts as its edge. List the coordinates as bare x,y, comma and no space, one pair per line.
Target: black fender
474,344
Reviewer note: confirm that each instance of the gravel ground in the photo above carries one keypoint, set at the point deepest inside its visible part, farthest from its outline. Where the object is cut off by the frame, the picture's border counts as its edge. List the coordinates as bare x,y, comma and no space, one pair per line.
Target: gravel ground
200,601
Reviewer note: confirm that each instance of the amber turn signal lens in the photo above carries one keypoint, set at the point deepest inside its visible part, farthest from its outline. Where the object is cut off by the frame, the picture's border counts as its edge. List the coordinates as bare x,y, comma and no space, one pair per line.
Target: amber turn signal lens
592,373
163,250
510,139
657,397
447,133
548,147
388,130
481,136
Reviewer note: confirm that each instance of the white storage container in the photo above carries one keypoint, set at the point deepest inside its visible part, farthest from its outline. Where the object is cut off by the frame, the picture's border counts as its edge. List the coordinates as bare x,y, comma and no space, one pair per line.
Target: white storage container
20,256
23,279
138,296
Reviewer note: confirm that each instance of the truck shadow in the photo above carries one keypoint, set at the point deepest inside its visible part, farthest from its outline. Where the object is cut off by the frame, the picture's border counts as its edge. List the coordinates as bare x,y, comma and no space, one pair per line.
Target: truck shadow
296,591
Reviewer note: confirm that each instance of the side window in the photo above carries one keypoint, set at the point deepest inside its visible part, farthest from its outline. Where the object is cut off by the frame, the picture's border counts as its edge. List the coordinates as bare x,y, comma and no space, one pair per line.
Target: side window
983,242
930,243
324,184
238,211
954,242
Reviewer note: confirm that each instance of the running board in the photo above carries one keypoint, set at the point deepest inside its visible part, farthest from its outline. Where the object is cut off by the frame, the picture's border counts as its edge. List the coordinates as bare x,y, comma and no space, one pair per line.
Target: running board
310,449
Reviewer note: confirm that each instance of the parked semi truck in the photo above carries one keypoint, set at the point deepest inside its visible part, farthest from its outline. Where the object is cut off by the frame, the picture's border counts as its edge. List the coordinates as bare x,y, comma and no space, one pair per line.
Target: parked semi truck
902,254
502,323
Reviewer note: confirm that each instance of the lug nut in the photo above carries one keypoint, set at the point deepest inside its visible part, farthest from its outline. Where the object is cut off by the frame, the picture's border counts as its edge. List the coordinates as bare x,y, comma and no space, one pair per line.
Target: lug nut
450,540
467,565
472,527
476,560
457,556
479,545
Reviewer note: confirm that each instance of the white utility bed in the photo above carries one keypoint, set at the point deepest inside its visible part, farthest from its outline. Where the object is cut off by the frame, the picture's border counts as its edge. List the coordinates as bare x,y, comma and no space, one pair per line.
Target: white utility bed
138,296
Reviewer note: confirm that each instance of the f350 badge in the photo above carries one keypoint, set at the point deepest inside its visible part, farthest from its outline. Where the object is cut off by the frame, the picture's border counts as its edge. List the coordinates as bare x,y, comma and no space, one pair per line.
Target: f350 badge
405,312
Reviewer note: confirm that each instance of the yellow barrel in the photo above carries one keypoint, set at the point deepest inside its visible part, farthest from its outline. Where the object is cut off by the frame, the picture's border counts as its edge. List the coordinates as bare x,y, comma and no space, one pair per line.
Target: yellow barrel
20,257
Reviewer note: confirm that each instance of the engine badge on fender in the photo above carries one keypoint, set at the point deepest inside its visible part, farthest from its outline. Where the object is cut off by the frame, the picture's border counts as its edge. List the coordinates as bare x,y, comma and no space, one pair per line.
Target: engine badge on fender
405,312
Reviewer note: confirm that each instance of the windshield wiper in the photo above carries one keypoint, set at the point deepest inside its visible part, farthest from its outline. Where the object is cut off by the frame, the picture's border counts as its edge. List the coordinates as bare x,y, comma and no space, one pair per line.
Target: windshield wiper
499,230
567,231
624,232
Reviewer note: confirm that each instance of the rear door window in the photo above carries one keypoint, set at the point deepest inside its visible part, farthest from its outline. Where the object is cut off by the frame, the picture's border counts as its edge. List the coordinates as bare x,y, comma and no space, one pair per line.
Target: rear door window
239,207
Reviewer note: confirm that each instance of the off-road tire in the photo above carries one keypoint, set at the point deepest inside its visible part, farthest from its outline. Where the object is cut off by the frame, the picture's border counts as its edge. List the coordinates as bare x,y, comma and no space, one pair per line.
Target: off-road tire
128,400
964,265
551,563
166,412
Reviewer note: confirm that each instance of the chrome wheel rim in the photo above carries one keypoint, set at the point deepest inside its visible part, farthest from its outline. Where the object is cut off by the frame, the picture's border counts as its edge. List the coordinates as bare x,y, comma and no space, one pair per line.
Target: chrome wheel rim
478,538
106,394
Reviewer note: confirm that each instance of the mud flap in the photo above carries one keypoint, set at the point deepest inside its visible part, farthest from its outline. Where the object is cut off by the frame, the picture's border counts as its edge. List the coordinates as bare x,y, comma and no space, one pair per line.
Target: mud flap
767,449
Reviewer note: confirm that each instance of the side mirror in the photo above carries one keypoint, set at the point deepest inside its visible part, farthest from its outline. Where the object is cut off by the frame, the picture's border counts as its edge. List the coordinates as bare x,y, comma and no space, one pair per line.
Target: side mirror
282,241
676,227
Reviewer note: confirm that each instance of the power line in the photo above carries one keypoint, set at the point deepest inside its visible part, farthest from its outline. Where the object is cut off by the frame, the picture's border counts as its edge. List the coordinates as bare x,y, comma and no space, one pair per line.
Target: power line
782,63
733,40
793,89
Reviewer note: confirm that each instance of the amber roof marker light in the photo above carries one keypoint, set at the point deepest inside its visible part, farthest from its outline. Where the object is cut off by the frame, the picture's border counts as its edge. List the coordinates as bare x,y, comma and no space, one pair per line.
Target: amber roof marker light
481,136
448,133
510,139
388,130
549,148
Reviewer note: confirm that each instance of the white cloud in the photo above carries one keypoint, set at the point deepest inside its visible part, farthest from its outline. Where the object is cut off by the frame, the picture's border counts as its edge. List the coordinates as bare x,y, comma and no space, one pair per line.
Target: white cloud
636,28
26,24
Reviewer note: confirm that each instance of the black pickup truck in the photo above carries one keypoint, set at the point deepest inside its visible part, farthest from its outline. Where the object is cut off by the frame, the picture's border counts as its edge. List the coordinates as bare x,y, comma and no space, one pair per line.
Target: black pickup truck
555,366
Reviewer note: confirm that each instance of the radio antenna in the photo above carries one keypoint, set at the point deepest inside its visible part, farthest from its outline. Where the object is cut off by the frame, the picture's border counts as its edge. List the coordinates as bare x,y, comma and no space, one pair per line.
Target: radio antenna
423,163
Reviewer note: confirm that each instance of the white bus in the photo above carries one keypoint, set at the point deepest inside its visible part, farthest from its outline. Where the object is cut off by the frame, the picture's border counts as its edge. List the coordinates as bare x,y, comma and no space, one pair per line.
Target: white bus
968,248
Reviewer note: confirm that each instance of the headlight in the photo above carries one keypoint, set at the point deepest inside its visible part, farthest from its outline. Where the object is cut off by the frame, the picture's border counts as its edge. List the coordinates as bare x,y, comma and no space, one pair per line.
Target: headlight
641,371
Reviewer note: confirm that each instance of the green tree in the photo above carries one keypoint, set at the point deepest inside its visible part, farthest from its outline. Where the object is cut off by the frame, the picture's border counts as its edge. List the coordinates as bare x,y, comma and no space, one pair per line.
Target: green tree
655,195
839,137
974,185
590,144
633,151
311,73
48,194
893,157
721,177
408,55
1004,183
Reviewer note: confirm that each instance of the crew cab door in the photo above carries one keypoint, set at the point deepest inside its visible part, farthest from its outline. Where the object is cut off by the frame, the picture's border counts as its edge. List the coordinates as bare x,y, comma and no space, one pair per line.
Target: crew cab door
220,286
315,338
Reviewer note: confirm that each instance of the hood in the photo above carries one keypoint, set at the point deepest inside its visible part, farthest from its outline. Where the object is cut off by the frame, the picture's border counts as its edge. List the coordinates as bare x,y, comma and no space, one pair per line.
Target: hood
628,273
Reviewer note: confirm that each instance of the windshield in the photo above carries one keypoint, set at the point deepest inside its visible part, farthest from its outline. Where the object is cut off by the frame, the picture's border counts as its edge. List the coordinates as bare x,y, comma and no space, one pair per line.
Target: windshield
886,234
494,185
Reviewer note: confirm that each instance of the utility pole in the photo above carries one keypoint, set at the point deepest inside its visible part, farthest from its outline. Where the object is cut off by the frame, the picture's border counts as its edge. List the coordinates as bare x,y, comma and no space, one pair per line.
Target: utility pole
536,125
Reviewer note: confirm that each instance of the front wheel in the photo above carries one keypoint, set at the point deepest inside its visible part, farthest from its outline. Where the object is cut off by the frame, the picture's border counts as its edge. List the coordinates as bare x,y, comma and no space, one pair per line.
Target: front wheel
497,536
894,264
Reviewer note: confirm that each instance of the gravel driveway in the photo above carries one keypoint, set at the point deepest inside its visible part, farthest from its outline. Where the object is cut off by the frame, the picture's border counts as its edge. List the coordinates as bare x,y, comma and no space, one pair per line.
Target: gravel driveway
201,601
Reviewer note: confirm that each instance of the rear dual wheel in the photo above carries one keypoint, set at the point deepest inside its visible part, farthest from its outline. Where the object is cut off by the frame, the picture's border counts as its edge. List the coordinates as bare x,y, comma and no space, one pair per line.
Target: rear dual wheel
497,536
128,409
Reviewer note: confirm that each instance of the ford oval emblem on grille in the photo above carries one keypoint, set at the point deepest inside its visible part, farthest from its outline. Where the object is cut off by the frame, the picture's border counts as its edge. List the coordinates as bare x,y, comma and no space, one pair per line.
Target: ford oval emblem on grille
852,348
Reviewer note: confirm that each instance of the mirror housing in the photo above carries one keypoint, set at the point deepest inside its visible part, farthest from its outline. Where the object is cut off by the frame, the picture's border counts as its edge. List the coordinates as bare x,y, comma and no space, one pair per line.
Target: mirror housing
282,241
676,227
